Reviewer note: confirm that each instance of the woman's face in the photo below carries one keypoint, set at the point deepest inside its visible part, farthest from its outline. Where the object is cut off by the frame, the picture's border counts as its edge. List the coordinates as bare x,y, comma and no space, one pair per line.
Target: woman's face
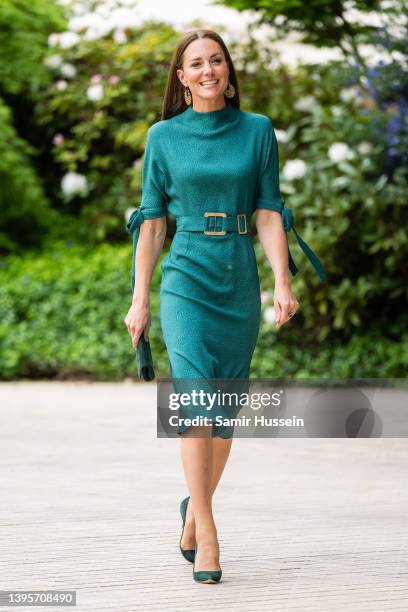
203,61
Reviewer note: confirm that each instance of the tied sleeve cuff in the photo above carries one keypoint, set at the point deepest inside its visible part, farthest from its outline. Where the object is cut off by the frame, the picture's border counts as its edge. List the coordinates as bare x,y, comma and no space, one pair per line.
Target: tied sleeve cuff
135,220
275,204
288,224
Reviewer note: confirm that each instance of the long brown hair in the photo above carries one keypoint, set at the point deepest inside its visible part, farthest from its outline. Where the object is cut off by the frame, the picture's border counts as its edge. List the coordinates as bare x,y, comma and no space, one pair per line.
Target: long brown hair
174,102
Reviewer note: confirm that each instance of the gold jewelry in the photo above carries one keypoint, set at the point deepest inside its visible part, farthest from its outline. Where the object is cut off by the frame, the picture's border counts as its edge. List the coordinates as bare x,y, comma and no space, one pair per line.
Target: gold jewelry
230,91
187,96
290,314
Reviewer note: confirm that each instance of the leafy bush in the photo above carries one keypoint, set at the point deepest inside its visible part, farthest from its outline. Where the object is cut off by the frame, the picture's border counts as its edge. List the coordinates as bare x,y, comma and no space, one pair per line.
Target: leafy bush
61,315
24,29
346,206
342,143
24,206
96,123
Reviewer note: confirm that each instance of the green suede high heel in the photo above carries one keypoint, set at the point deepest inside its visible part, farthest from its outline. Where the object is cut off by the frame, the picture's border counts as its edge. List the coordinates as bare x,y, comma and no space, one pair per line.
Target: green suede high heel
206,576
188,554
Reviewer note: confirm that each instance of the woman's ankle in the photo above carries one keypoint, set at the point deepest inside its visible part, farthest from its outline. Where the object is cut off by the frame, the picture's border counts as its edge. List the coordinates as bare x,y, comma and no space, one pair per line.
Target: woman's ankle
206,534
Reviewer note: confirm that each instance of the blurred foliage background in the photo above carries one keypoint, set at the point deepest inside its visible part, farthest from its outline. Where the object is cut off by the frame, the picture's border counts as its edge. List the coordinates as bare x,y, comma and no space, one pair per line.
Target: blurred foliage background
75,106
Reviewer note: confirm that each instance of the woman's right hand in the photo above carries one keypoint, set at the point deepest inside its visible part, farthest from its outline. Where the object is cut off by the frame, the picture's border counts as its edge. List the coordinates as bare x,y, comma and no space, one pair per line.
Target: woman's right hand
138,321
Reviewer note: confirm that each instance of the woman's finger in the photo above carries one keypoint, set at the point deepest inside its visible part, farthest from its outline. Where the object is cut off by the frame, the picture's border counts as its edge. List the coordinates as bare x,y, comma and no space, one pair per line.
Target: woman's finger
135,339
285,309
277,312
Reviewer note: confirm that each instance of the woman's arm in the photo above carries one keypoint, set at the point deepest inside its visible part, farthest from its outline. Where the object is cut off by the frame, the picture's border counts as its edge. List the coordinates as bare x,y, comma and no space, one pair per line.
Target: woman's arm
149,247
272,237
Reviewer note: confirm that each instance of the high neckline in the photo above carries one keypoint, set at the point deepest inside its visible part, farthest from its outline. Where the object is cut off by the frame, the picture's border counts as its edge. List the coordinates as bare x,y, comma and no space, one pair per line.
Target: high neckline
210,120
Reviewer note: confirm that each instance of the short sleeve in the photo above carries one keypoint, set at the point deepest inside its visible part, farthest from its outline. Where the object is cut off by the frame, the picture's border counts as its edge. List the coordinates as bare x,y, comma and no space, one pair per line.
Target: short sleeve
269,196
154,197
268,191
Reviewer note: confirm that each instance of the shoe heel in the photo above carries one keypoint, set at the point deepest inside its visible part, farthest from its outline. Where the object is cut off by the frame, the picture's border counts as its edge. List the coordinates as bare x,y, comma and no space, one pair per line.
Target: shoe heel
188,553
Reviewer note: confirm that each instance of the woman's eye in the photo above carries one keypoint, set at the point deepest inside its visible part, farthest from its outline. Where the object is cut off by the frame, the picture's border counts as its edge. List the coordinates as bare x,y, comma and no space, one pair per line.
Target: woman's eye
217,61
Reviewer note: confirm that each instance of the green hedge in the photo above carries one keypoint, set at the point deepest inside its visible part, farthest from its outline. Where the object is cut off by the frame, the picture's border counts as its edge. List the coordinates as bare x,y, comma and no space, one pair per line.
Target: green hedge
62,311
62,314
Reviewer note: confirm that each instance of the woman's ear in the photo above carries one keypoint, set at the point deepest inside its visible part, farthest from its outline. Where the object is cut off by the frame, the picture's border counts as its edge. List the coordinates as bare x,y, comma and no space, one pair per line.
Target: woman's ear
180,75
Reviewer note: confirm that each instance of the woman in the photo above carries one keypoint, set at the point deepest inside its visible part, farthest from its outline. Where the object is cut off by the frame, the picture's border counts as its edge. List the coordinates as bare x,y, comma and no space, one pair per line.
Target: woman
207,156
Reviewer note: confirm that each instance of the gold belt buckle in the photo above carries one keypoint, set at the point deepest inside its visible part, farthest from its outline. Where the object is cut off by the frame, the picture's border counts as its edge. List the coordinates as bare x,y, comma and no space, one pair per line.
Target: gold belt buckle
239,224
214,232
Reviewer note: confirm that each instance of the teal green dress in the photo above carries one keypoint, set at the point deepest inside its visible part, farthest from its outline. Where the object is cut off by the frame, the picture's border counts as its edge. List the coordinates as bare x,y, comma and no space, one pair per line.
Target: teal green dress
210,307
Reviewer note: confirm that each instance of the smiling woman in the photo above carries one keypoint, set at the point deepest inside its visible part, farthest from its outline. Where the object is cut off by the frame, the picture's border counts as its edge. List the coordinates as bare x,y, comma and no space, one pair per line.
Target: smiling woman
205,69
211,166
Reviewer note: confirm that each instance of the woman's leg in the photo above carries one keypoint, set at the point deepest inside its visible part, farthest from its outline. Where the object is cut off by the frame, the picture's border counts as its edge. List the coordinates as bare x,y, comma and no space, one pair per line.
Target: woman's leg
204,459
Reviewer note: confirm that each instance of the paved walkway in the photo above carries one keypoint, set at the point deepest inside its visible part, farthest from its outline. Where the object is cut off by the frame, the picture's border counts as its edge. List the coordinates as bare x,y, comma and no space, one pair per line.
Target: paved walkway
90,496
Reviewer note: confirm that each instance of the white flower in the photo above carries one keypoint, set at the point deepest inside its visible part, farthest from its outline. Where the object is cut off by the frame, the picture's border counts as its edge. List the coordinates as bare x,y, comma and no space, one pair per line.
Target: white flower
68,40
281,135
97,26
78,24
351,94
61,85
119,36
95,93
251,67
78,9
347,95
364,148
305,104
286,188
53,39
128,212
339,151
399,57
92,34
53,61
103,11
264,296
294,169
337,111
58,140
73,183
68,70
269,314
124,18
341,181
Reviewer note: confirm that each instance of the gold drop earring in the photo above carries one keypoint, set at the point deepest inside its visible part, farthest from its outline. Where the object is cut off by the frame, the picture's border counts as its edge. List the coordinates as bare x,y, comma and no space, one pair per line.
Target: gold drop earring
230,91
187,96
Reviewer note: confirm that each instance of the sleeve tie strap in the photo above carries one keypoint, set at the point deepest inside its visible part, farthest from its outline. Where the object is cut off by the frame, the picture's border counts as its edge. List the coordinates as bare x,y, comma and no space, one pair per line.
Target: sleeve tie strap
288,224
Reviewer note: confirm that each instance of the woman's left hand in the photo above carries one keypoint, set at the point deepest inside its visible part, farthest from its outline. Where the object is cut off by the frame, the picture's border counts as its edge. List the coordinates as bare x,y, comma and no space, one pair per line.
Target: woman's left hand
285,303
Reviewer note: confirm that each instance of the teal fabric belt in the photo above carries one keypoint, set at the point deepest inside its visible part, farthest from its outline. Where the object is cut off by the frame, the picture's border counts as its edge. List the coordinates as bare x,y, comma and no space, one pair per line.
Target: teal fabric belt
218,225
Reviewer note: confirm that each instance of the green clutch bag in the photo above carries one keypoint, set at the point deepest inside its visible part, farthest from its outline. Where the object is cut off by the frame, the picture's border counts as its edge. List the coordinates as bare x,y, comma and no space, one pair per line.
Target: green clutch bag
144,360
